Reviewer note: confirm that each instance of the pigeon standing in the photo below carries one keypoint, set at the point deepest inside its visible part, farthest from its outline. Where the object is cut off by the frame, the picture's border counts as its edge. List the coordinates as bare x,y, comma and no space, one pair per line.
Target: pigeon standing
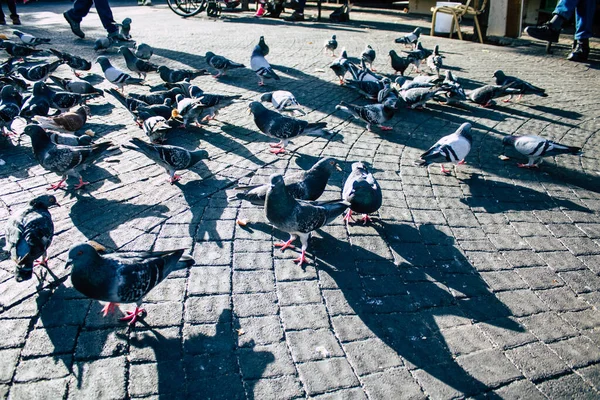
38,104
68,121
125,28
339,66
171,158
368,56
188,109
139,66
19,50
39,72
535,148
281,127
305,185
410,38
452,148
143,51
76,85
30,40
372,114
122,277
61,159
399,63
419,54
261,66
297,217
362,191
263,46
115,75
419,96
283,101
372,90
331,45
29,234
485,95
523,86
434,61
75,62
173,75
221,63
10,106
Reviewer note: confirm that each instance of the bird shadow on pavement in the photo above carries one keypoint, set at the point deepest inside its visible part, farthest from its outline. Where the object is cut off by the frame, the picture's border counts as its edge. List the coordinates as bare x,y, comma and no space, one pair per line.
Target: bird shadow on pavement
498,197
204,362
568,114
103,109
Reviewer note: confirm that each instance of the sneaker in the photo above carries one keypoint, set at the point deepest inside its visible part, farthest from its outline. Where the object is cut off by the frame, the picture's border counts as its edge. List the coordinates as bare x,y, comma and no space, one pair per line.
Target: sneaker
581,51
543,32
75,28
15,20
295,17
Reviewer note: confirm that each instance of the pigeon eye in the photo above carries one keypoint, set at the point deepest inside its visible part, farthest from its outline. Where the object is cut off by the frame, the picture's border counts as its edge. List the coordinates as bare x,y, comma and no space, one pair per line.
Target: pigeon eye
79,252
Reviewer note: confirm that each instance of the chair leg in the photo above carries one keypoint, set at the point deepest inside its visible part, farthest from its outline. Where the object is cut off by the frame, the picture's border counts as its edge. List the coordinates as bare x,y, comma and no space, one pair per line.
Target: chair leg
433,22
478,29
458,28
452,27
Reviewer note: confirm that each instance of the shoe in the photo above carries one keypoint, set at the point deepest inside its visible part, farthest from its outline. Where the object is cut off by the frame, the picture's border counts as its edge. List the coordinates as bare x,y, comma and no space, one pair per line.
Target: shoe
295,17
543,32
116,35
581,51
148,2
15,20
75,28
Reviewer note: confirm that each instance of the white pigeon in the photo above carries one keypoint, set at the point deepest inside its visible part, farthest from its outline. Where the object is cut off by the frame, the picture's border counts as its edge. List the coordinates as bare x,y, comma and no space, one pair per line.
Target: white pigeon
283,101
451,148
115,75
261,66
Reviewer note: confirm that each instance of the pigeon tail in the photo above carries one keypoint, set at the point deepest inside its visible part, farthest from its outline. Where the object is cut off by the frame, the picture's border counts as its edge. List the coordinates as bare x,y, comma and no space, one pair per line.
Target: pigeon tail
315,126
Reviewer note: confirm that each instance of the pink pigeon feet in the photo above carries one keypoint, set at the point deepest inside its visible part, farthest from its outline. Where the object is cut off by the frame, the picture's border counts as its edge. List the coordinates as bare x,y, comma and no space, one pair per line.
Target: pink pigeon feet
285,245
58,185
277,148
43,263
348,216
444,170
174,179
133,316
109,309
385,128
461,162
527,166
366,219
81,184
302,259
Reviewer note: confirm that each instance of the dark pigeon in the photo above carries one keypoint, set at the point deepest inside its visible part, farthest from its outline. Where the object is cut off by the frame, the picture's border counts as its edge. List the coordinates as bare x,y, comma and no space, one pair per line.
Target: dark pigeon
39,72
368,56
485,95
75,62
10,105
158,97
331,45
221,63
400,64
523,86
372,114
137,65
172,75
143,51
19,50
38,104
362,191
76,85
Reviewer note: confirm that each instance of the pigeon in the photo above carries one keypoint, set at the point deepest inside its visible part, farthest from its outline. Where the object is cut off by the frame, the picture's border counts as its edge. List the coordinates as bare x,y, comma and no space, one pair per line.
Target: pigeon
305,185
39,72
122,277
331,45
156,128
418,97
130,103
339,66
400,64
213,102
18,83
221,63
143,112
125,28
102,43
19,50
117,76
362,191
281,127
171,158
7,67
70,121
143,51
283,101
452,148
38,104
157,97
454,91
372,90
61,159
362,73
523,86
263,46
10,106
261,66
372,114
76,86
64,101
297,217
137,65
419,81
29,233
419,53
171,75
368,56
75,62
30,40
535,148
69,139
484,95
188,109
410,38
434,61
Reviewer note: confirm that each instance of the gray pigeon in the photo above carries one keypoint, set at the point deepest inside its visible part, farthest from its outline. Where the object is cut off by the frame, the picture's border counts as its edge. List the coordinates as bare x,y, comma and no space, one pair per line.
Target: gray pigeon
102,43
214,102
485,95
434,61
69,139
19,50
61,159
261,66
535,148
263,46
297,217
39,72
64,101
454,91
76,85
305,185
171,158
125,28
75,62
339,66
452,148
137,65
362,191
38,104
116,76
410,38
30,40
419,53
372,90
418,97
368,56
221,63
372,114
189,110
156,128
143,51
29,234
283,101
122,277
523,86
174,75
331,45
281,127
158,97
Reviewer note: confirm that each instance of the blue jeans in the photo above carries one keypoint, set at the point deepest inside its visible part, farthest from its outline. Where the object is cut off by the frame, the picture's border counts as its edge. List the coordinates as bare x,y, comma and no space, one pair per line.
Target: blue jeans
81,8
584,15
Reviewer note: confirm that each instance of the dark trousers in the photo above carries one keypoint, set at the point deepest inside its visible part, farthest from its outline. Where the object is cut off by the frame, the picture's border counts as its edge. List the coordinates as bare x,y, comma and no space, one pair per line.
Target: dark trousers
12,7
81,8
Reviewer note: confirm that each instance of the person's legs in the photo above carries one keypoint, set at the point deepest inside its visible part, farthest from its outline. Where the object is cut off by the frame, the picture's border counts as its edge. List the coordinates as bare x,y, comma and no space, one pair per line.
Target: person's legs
298,15
80,9
12,7
106,16
584,17
550,31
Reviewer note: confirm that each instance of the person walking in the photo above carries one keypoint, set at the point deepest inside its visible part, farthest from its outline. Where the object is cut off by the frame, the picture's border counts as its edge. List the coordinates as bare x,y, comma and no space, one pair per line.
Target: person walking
12,7
584,19
81,8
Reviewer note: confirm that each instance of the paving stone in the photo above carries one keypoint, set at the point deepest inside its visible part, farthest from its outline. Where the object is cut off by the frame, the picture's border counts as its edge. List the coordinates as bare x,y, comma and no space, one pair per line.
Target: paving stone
205,309
253,281
577,352
312,345
206,338
265,361
490,367
395,383
522,389
585,319
227,387
43,368
581,281
562,299
209,280
465,339
46,389
548,326
13,332
503,280
540,277
312,316
101,343
285,387
302,292
346,394
259,330
371,355
536,361
567,387
152,378
158,345
44,342
507,332
327,375
591,375
522,302
103,378
350,328
9,359
445,381
561,261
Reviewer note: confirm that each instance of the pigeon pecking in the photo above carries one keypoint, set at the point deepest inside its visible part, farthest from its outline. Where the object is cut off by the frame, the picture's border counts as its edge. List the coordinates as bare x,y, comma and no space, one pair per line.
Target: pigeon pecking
535,148
221,63
362,191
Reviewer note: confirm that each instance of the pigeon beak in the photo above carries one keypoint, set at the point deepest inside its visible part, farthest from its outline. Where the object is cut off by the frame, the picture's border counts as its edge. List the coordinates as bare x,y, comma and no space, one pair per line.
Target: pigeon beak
174,114
69,263
337,166
249,111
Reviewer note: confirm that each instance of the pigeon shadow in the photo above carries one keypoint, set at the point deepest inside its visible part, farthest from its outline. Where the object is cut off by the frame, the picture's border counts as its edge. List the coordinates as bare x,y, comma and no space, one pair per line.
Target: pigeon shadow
496,197
103,109
567,114
204,365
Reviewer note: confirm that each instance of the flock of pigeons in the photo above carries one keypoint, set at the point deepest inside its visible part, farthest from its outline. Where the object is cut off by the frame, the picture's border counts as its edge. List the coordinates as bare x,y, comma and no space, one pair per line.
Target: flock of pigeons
290,203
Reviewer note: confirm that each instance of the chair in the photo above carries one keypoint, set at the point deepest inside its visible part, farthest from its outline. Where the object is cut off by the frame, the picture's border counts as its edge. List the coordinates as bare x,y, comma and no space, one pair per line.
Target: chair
457,12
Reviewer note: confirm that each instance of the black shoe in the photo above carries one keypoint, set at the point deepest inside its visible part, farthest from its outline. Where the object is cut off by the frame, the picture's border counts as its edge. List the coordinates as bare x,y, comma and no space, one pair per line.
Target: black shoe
15,19
295,17
75,28
581,51
543,32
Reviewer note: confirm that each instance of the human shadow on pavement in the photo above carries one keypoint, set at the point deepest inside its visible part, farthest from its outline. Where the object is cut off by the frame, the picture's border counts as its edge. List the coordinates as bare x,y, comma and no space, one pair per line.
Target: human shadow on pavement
200,365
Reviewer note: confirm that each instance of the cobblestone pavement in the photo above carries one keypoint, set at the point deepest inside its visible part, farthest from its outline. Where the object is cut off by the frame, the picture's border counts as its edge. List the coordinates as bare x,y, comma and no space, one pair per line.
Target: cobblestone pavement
480,284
